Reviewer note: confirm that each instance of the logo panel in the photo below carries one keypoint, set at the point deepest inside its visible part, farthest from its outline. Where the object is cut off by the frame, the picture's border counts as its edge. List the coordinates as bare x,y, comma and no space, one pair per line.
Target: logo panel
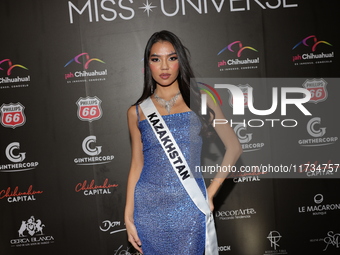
89,108
12,115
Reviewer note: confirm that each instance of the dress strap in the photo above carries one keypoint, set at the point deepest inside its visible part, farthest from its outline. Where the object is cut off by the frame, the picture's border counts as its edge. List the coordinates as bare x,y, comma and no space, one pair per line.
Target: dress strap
137,111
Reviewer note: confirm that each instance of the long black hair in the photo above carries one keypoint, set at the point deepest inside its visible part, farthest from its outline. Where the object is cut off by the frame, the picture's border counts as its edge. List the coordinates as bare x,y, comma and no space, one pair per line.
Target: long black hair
188,91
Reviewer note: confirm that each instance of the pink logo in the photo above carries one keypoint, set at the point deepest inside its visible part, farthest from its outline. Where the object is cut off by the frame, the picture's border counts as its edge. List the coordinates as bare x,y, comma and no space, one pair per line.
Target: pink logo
88,60
311,41
10,66
239,49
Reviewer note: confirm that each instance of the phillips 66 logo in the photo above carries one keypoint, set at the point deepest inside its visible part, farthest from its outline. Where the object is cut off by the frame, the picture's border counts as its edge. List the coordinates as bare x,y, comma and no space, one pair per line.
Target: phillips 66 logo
317,88
12,115
89,108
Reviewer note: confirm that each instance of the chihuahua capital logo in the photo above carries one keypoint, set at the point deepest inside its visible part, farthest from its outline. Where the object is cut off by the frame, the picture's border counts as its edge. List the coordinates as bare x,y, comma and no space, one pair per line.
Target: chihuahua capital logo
10,66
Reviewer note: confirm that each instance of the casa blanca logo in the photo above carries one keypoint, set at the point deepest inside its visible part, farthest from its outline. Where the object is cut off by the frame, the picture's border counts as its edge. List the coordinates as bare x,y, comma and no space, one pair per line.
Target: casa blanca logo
93,151
110,10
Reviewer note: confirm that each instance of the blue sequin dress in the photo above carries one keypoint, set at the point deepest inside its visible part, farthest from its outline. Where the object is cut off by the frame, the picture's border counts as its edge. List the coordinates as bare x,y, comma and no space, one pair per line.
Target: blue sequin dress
167,221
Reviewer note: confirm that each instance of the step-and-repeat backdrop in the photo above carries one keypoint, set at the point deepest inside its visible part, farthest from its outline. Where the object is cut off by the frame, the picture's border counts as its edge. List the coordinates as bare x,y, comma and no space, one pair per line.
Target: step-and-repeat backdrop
69,70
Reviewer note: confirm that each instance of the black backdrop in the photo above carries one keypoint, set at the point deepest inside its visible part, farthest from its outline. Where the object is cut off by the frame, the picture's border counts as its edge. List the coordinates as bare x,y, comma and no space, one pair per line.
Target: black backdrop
69,71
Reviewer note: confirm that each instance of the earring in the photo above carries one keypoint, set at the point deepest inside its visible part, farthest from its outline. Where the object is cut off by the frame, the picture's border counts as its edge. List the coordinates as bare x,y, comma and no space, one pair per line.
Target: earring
151,89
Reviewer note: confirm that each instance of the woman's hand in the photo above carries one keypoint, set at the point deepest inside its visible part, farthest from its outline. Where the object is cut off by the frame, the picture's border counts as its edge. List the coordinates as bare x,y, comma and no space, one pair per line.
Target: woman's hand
133,236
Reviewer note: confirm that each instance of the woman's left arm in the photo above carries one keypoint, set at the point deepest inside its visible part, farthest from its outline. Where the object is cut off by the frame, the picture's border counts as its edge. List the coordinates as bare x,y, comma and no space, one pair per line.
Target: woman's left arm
233,150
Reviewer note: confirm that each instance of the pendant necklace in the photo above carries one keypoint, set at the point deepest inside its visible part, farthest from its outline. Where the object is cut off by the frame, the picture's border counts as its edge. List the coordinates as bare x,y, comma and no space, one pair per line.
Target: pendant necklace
167,104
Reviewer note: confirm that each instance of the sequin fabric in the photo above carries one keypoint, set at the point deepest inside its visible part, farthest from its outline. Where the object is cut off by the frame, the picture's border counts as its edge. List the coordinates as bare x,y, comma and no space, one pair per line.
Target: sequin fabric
167,221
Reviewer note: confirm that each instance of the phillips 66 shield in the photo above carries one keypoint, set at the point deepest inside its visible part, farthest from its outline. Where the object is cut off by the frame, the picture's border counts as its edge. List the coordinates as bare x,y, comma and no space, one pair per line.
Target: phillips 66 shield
89,108
12,115
317,88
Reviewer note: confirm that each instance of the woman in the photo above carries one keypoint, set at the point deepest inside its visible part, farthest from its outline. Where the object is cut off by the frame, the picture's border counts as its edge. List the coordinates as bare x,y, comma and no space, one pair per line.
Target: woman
160,216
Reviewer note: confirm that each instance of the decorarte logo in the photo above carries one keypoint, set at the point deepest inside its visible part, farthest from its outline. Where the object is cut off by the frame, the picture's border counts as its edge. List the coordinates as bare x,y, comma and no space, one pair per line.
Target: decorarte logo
84,60
234,64
12,115
311,43
7,66
17,158
31,233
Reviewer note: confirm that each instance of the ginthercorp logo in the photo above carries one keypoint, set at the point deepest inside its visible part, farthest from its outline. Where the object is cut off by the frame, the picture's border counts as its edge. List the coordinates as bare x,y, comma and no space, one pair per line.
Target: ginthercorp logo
241,62
314,51
316,130
319,208
245,139
12,115
89,108
82,61
31,232
317,89
90,188
93,151
15,195
10,79
17,157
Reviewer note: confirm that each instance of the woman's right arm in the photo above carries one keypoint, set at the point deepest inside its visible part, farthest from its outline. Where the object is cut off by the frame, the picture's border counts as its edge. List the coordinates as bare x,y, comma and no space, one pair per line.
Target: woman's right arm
134,174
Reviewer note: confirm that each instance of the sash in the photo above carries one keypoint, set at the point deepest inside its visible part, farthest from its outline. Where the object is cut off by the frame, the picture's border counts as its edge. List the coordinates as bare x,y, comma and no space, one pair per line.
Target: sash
182,170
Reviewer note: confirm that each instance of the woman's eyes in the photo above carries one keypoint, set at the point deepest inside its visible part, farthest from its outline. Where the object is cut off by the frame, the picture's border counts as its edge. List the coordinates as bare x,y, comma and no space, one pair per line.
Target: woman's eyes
172,58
